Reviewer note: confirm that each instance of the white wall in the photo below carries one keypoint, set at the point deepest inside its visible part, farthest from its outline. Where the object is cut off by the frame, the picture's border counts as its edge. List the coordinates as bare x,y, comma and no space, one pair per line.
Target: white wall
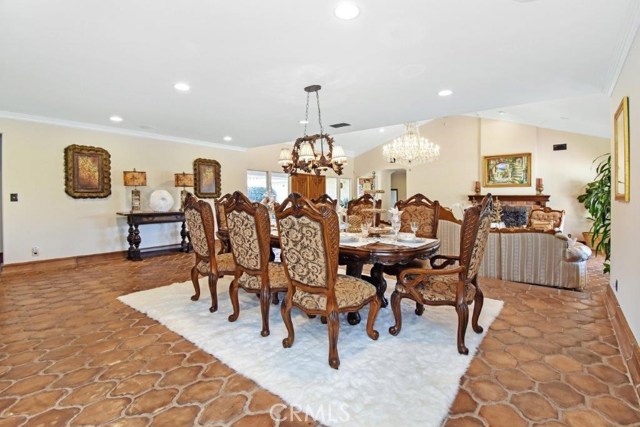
625,234
45,216
464,140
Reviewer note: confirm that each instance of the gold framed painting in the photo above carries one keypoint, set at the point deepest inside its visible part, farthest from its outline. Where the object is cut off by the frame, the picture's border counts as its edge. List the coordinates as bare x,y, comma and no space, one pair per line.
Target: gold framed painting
87,172
365,183
621,165
206,178
507,170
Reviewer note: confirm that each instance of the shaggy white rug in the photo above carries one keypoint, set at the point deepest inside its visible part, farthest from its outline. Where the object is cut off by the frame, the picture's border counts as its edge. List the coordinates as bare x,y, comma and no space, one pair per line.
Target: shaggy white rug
407,380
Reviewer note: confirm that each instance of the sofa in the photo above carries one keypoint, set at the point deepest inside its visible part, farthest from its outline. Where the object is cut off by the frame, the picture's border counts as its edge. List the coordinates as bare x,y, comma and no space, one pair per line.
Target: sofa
525,255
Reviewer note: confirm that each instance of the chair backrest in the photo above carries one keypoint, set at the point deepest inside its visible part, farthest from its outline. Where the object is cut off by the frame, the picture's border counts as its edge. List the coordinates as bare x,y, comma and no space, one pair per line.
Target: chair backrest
199,218
474,234
221,218
327,200
540,215
249,233
309,239
420,209
357,207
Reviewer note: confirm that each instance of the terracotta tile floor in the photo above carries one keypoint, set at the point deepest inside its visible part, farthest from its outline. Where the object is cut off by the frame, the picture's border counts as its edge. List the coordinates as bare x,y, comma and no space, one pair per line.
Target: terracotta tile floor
71,354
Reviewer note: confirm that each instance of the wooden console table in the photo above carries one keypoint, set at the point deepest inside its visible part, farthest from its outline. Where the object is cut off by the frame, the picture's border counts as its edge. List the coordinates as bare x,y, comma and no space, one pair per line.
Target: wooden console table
135,219
515,199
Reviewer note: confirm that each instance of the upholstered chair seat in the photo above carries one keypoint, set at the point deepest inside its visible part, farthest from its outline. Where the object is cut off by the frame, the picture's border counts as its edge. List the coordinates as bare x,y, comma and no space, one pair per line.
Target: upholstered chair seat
277,279
350,292
225,264
440,288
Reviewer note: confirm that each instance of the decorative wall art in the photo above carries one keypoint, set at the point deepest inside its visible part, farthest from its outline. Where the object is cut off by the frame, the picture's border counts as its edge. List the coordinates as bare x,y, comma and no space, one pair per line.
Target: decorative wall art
87,172
206,174
507,170
365,183
621,165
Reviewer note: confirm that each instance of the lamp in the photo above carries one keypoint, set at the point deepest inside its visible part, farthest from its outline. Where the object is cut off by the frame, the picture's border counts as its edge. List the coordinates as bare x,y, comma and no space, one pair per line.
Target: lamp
183,180
134,179
410,148
303,156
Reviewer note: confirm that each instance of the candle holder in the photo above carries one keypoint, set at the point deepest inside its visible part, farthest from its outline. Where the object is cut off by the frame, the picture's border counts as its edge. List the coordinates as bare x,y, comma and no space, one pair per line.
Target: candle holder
476,187
539,186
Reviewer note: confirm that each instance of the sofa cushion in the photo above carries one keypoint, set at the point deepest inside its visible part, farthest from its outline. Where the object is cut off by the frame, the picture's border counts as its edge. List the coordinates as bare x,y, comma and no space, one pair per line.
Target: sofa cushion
542,225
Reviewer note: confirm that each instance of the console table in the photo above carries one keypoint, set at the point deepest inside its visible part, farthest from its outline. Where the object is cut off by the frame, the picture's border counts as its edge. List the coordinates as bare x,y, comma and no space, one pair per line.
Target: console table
135,219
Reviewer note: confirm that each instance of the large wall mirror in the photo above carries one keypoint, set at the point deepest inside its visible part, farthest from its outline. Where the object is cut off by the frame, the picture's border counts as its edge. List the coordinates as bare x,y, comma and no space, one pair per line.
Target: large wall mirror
621,150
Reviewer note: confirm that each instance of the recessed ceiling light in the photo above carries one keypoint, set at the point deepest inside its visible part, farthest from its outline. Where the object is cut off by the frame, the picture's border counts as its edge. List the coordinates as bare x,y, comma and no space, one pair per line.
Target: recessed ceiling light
116,119
501,113
347,11
381,130
445,92
182,87
303,122
227,138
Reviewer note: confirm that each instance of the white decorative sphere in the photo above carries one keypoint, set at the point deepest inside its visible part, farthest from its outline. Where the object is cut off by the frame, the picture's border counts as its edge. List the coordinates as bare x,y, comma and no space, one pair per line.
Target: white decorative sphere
161,201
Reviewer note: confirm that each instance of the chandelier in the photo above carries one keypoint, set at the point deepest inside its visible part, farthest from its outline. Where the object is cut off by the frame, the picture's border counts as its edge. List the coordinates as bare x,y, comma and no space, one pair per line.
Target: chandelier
315,153
410,148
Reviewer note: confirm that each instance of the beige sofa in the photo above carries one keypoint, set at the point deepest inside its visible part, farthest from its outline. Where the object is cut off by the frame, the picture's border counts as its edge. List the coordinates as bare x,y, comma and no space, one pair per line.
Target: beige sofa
523,255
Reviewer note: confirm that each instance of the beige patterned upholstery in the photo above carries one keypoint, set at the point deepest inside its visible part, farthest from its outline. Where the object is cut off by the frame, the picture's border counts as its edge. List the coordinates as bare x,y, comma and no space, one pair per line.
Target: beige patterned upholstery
304,253
479,246
423,215
224,261
277,279
196,232
360,210
547,214
244,239
542,225
355,224
441,288
350,292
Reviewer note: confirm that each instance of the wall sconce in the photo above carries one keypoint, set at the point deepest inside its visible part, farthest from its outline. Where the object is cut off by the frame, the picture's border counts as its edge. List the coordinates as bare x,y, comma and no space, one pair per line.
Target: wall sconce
134,179
476,187
183,180
539,186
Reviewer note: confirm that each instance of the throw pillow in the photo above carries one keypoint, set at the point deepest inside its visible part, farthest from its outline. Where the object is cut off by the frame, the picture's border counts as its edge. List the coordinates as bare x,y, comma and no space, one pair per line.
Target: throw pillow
515,216
542,225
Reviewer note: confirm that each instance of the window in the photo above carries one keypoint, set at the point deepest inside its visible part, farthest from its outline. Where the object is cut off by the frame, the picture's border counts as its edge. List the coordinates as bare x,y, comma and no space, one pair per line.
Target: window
339,189
331,187
345,191
259,183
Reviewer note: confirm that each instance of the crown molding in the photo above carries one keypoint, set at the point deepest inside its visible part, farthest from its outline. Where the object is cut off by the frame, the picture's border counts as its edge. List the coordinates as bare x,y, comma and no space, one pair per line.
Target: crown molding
118,131
632,24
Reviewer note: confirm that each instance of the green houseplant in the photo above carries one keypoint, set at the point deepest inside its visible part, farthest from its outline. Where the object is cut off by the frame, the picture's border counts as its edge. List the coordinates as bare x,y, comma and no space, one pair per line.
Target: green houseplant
597,200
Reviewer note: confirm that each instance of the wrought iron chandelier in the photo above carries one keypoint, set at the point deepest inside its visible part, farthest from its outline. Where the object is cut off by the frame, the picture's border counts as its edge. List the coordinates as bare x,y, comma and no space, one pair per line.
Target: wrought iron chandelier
410,148
304,157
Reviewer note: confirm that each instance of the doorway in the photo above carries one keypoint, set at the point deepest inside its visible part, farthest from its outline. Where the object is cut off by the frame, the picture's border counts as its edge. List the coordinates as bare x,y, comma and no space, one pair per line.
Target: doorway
398,185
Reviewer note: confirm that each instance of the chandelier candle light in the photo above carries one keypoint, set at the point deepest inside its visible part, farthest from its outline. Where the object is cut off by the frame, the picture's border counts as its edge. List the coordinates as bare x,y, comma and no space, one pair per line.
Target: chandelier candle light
411,149
304,155
183,180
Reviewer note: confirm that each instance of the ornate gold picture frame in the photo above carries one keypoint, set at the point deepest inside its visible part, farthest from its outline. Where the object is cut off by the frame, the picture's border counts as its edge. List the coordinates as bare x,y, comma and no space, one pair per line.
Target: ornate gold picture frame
206,177
507,170
621,167
87,172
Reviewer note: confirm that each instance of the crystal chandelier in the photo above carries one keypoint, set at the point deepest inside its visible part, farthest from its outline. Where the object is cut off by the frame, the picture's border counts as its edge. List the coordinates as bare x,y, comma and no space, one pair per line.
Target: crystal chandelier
410,148
304,155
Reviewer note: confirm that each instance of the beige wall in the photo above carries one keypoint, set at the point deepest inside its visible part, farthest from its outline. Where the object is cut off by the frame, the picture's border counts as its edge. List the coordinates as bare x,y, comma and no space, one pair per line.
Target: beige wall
399,182
625,234
45,216
464,140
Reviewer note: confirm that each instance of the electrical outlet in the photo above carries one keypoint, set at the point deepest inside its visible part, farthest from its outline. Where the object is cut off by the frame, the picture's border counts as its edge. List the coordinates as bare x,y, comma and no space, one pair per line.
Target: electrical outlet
35,251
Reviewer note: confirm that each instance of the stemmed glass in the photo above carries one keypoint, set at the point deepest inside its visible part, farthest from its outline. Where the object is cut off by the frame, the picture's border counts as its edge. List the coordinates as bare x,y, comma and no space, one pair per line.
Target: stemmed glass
414,228
364,227
395,227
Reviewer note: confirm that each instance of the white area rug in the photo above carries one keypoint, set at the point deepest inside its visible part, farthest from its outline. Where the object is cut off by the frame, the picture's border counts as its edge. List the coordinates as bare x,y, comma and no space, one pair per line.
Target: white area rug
408,380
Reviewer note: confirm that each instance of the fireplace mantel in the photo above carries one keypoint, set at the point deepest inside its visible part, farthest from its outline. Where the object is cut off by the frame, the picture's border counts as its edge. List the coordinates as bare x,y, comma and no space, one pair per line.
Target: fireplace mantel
515,199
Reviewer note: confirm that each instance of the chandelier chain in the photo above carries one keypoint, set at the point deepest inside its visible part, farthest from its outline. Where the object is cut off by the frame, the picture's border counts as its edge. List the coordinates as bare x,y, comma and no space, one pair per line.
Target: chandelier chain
306,116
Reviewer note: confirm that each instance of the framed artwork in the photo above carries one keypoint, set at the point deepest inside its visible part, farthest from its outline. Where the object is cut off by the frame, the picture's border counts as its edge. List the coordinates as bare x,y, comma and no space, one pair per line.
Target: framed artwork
206,178
507,170
87,172
365,183
621,150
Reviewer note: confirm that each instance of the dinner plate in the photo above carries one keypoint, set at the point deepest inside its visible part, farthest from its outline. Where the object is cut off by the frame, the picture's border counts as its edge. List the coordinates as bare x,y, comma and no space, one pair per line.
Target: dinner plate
347,238
409,238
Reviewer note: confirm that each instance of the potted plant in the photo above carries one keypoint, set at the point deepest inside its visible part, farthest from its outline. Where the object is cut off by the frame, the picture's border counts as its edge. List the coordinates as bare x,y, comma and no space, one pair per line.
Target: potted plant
597,200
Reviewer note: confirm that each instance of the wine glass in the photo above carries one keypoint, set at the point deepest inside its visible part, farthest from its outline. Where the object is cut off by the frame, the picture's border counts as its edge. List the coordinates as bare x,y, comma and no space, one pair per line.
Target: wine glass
414,228
364,227
395,227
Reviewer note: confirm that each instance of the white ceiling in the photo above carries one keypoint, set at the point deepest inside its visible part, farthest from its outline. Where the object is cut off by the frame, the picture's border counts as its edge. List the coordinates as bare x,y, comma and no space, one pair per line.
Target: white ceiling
247,62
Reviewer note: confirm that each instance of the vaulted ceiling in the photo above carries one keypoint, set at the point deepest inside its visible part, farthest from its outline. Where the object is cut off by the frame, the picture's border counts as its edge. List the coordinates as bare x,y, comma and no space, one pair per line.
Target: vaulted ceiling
248,61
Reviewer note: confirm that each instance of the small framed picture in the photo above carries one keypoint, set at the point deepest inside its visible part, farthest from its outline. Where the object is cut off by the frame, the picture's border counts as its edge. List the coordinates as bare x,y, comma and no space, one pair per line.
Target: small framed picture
507,170
87,172
206,177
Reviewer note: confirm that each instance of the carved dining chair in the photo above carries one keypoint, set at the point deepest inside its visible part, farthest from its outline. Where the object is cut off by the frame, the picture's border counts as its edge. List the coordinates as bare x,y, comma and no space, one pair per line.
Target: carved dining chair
457,286
221,220
326,199
309,238
199,218
249,235
357,214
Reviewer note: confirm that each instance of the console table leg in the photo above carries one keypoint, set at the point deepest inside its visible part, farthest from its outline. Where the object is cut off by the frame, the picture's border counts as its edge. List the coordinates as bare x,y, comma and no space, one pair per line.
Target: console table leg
185,246
134,240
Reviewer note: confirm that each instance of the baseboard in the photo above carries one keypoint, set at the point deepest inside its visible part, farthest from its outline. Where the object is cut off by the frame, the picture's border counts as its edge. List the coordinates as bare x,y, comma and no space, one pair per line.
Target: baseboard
628,343
81,260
